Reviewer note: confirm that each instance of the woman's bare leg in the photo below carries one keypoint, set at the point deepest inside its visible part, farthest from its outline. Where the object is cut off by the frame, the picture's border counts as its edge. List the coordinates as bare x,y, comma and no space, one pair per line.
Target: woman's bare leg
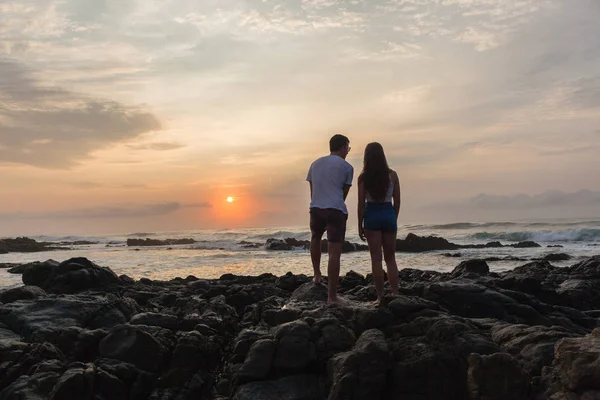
374,241
389,254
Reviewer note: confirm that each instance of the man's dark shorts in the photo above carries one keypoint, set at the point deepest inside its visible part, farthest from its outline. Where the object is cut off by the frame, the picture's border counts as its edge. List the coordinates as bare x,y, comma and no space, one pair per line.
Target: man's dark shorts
328,219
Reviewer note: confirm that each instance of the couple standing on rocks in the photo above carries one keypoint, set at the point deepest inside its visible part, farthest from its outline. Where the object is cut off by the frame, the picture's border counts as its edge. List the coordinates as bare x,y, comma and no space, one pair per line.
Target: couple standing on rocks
330,179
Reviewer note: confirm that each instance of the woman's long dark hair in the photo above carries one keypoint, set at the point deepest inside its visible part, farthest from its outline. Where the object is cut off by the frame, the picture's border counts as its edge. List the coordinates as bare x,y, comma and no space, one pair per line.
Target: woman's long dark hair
376,172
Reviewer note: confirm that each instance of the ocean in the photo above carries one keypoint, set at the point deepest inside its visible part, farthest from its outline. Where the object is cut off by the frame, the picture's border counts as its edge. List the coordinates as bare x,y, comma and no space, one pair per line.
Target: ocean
218,252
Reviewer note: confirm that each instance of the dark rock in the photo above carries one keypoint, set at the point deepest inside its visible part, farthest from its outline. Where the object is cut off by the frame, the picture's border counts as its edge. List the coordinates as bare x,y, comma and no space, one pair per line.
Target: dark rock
155,319
259,361
574,373
333,338
472,266
587,269
71,276
453,255
416,244
497,377
557,257
37,273
88,382
532,346
287,244
48,315
310,292
268,337
290,282
292,387
577,362
361,372
155,242
21,293
26,245
34,387
525,244
132,345
295,349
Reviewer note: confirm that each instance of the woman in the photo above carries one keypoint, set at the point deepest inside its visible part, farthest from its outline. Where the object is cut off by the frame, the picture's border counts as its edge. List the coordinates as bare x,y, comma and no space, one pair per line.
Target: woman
378,186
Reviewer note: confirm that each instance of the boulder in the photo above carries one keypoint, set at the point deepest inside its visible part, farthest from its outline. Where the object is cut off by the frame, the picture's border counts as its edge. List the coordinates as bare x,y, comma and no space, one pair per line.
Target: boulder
132,345
416,244
259,361
310,292
295,350
21,293
292,387
71,276
362,372
479,267
155,319
497,377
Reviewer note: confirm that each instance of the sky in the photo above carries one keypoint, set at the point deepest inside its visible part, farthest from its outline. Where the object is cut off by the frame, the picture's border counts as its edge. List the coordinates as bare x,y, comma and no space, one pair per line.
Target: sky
130,115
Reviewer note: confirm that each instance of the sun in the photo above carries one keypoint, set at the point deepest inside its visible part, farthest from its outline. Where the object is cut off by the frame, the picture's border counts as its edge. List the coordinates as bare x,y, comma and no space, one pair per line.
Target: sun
230,199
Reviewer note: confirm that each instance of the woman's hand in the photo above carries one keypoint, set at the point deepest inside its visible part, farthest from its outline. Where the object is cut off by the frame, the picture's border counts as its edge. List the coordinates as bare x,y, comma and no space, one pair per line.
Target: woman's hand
361,233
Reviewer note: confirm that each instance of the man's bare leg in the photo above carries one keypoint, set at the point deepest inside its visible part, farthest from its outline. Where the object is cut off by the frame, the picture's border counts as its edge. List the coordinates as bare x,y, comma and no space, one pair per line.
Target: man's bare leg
333,271
315,256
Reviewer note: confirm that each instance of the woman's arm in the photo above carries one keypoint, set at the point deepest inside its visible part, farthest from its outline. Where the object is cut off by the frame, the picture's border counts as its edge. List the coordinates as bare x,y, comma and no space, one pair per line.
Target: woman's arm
361,207
396,194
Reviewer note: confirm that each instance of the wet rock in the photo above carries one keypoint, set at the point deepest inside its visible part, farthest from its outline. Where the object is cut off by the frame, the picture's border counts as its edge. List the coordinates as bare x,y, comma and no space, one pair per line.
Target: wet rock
472,266
416,244
26,245
155,242
557,257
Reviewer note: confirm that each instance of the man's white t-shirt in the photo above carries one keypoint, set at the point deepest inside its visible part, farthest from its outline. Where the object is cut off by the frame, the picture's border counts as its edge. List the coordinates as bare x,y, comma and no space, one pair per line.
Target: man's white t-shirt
329,175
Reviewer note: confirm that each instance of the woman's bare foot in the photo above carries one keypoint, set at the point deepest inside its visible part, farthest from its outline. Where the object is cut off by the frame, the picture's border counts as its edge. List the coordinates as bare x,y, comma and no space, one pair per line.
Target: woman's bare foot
317,279
335,300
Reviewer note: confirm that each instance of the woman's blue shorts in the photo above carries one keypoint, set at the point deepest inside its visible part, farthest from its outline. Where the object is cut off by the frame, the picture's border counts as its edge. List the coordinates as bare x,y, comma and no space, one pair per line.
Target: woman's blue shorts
380,217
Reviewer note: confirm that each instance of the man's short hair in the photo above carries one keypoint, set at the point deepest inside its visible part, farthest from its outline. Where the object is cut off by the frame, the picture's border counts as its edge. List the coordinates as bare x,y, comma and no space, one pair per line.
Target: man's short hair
337,142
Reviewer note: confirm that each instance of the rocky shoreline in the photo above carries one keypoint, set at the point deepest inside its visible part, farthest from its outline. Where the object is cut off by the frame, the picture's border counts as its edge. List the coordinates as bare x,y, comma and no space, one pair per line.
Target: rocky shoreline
411,244
79,331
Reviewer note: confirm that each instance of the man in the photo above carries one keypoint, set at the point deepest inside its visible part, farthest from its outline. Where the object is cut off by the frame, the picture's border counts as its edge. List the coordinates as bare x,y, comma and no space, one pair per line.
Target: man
330,178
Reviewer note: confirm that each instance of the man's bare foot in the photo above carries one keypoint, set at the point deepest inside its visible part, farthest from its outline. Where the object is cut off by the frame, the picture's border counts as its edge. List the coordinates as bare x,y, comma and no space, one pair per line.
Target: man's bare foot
317,279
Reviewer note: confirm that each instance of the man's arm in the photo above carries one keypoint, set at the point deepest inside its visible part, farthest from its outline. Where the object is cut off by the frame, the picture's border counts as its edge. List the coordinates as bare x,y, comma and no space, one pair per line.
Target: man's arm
348,183
346,190
309,179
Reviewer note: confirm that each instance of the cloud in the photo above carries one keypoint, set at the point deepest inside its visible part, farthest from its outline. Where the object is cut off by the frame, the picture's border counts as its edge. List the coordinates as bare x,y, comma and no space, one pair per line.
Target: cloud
133,186
111,212
158,146
48,127
548,199
87,185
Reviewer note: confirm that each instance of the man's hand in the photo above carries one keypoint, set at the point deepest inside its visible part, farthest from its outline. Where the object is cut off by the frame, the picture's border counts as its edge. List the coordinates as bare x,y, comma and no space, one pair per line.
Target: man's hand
361,233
